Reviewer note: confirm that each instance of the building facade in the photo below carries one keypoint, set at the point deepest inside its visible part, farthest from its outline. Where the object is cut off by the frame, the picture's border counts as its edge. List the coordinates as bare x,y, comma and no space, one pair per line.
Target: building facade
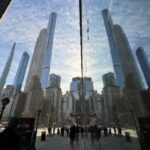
114,54
36,65
48,53
133,82
54,80
108,79
6,68
144,63
21,72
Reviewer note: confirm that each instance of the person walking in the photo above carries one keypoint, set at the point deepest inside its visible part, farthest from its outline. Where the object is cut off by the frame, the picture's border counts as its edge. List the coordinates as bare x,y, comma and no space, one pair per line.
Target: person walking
72,134
82,132
114,130
54,130
92,130
49,130
77,134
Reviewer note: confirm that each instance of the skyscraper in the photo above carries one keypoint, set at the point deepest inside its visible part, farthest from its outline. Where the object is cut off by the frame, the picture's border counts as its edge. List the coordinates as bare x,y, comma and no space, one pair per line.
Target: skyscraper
48,53
21,72
54,80
37,58
108,79
6,68
114,54
75,87
3,6
144,63
128,63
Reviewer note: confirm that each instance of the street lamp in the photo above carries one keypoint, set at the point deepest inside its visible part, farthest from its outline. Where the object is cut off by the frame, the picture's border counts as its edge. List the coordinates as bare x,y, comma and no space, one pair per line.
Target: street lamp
4,102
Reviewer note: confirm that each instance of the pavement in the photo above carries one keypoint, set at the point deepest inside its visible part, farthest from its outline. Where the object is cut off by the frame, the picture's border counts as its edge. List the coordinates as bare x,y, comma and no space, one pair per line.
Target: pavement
105,143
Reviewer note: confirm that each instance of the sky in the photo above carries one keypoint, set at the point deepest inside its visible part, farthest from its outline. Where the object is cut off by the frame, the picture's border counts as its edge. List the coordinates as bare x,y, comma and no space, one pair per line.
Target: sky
25,18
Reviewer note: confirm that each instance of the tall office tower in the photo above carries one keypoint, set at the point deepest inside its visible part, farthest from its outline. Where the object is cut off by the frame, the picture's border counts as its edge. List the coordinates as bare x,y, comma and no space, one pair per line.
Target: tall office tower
108,79
126,56
144,63
21,72
54,80
75,87
89,88
48,53
114,54
37,58
133,83
3,6
6,68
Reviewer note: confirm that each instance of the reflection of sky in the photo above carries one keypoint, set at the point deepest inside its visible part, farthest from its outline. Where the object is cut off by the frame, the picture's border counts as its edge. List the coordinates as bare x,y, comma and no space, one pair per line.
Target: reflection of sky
26,18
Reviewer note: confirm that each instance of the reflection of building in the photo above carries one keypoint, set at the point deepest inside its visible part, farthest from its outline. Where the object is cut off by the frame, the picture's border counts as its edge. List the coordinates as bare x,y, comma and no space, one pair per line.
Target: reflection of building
8,91
48,52
108,79
126,56
67,103
144,63
53,95
21,72
34,98
113,104
6,68
114,54
18,104
3,6
54,80
133,82
37,58
77,91
75,87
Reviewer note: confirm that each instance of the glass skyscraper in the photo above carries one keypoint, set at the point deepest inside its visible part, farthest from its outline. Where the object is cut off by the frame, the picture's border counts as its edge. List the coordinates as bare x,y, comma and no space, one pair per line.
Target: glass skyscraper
48,53
37,58
21,72
75,87
128,63
108,79
6,68
144,63
54,80
114,54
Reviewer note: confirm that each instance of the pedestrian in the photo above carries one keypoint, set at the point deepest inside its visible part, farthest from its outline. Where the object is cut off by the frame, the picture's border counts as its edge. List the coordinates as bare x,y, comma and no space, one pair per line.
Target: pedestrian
92,130
58,131
82,132
72,134
62,131
77,134
54,130
49,130
67,131
119,131
98,133
114,130
105,131
110,134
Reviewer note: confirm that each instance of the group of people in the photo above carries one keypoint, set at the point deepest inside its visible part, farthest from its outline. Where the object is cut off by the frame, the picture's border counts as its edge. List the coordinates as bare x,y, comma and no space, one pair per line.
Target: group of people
78,130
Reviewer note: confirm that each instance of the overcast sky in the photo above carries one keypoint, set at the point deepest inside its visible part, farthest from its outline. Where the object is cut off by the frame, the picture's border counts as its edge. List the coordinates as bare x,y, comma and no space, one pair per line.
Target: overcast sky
25,19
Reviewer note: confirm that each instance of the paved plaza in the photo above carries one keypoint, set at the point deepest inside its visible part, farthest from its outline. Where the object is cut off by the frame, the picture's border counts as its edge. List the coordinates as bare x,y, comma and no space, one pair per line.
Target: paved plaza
105,143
